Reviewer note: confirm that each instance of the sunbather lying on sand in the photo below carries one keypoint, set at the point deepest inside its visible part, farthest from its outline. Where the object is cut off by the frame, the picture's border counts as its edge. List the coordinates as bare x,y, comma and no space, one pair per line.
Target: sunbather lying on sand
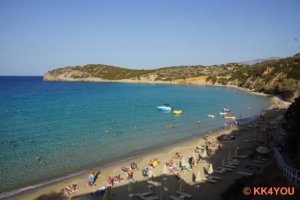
178,155
134,166
70,189
118,179
173,167
154,163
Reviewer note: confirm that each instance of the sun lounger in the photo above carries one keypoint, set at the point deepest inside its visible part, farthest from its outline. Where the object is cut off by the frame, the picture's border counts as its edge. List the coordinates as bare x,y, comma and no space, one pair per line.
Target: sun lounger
258,161
221,171
233,164
214,177
149,198
131,196
229,166
241,156
186,195
245,173
143,194
234,161
198,187
174,197
225,168
209,180
252,168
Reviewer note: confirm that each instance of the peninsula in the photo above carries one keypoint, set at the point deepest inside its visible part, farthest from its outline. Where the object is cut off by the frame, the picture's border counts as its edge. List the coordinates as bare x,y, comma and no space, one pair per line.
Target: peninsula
277,77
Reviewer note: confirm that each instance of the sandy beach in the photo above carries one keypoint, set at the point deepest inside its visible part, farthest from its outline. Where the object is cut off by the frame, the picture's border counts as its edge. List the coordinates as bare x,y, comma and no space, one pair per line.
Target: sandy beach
248,136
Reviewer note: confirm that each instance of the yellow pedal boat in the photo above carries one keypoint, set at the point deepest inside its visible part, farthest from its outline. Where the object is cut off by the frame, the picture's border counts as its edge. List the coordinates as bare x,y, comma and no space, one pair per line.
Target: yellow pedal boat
177,112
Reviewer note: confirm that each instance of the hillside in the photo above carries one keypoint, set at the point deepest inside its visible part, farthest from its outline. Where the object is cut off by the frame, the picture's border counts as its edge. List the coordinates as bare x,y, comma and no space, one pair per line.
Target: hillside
280,77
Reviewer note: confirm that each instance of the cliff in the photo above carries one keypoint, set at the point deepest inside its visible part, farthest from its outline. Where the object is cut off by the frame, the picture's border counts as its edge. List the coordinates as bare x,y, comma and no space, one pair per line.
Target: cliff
279,77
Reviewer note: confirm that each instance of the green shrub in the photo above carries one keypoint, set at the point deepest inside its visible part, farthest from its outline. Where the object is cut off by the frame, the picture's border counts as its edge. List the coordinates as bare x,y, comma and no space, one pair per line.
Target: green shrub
223,81
212,78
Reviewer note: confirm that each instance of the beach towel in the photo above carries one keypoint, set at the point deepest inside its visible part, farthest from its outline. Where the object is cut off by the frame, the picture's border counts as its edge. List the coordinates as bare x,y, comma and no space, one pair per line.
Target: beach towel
125,169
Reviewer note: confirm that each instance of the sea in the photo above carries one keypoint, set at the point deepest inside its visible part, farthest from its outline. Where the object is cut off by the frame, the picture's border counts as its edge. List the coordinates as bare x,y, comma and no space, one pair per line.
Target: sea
54,130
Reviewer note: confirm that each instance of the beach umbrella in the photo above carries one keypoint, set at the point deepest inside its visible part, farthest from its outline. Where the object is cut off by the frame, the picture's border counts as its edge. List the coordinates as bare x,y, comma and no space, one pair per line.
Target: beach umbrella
165,170
130,187
194,156
161,195
204,153
181,186
183,163
151,174
263,150
106,195
165,187
223,161
203,175
210,169
229,157
236,152
198,177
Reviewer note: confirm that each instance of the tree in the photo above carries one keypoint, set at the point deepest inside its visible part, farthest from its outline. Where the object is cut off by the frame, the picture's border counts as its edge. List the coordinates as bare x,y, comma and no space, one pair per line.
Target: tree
212,78
292,127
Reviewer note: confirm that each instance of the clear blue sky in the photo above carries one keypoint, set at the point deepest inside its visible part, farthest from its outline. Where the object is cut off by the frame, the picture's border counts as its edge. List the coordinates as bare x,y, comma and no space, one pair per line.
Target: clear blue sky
37,36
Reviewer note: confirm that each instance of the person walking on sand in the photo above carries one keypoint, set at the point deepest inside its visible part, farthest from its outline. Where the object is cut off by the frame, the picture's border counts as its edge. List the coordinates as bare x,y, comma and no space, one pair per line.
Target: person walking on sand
91,179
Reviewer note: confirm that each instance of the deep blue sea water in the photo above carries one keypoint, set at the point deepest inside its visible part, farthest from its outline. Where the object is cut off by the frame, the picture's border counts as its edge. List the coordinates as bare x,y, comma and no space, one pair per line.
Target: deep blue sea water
72,126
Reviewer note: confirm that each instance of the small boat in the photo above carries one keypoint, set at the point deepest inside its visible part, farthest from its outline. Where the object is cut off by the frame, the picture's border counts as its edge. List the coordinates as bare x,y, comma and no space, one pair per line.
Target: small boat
229,116
177,112
226,109
211,116
223,113
165,107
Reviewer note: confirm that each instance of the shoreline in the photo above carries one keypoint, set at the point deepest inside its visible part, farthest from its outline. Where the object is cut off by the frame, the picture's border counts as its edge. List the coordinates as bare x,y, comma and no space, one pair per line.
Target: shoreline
48,186
130,81
56,184
99,80
136,155
177,82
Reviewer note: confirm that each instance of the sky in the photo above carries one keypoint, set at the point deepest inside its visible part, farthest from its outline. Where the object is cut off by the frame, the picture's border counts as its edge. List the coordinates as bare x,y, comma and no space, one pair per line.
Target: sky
40,35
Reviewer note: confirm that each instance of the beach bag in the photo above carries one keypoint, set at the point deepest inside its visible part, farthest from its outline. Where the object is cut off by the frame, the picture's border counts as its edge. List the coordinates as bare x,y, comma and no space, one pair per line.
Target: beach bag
125,169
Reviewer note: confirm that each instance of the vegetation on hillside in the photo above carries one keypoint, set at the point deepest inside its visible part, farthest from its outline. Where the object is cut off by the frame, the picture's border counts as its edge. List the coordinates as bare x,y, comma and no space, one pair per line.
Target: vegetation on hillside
292,127
100,71
281,77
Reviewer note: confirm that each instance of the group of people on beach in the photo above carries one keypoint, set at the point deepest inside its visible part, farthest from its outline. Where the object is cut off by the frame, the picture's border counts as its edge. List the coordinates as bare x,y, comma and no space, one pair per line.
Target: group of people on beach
172,166
117,178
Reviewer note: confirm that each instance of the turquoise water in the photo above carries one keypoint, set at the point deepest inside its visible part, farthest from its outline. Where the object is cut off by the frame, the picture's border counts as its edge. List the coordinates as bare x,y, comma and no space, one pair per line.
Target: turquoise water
74,126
